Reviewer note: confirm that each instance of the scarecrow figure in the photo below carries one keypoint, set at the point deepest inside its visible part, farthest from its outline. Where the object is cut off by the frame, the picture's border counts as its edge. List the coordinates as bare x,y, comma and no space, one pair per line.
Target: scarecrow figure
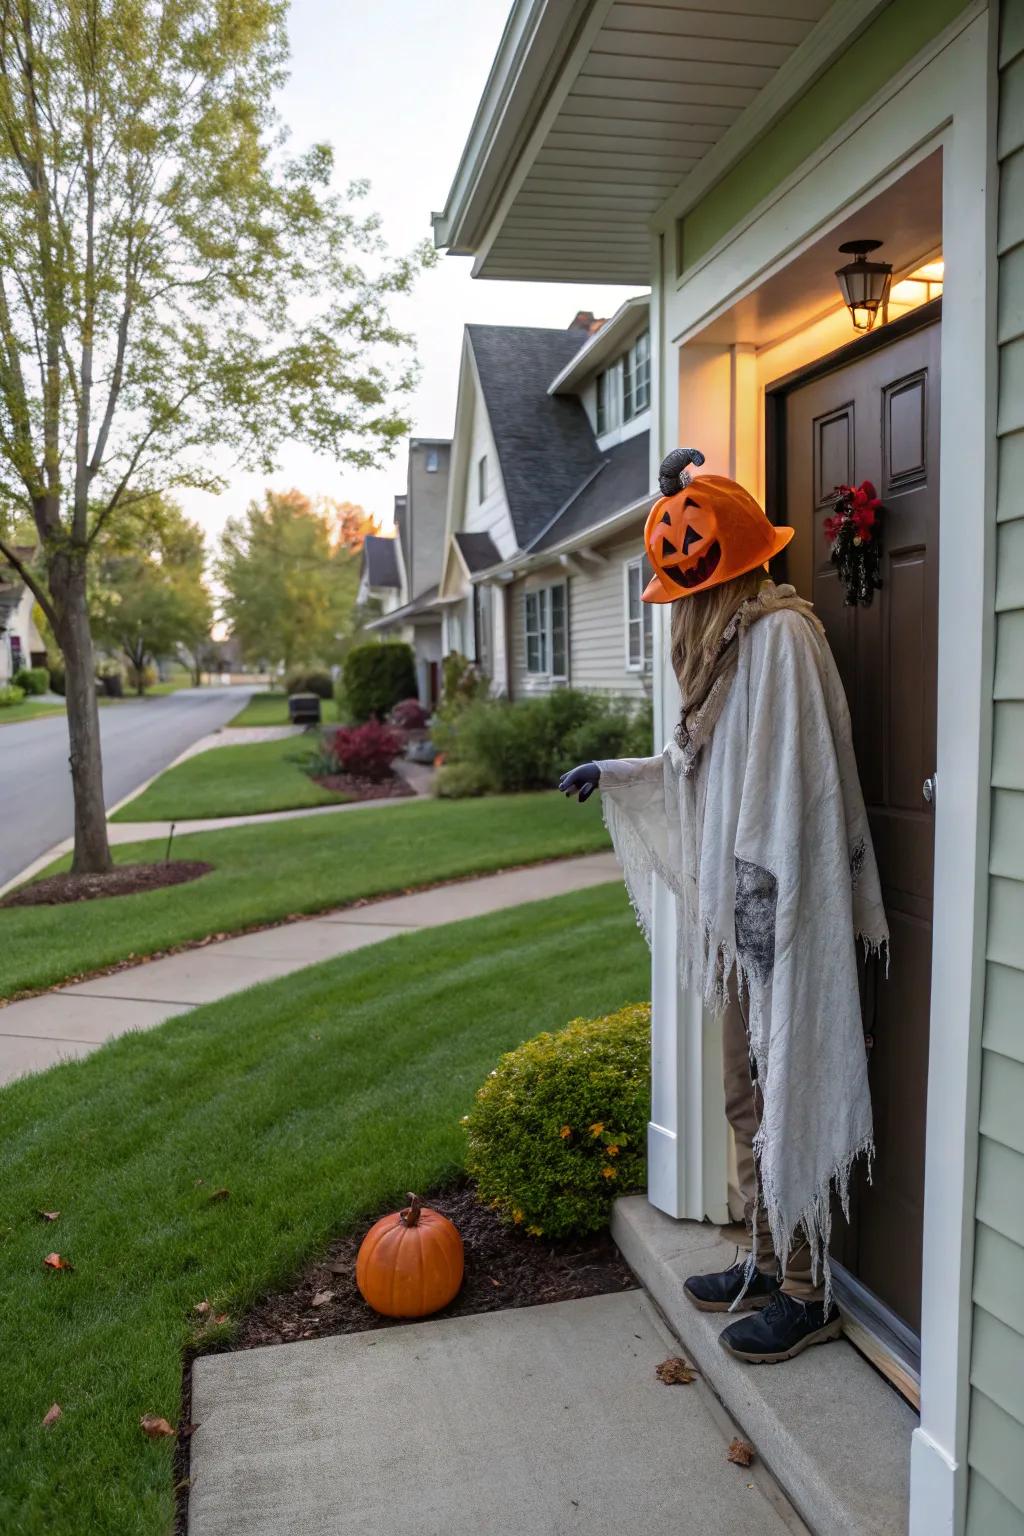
753,817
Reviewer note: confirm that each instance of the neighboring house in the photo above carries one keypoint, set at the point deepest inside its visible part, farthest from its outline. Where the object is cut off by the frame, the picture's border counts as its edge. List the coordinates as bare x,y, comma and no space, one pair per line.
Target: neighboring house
723,159
547,499
403,572
21,644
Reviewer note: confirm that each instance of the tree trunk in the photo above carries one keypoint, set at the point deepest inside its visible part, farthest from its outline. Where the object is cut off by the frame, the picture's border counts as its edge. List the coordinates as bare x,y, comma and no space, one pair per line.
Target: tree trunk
67,587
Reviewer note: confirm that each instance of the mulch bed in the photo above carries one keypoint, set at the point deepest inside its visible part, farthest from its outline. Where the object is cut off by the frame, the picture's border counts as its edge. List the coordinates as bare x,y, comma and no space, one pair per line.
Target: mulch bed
122,880
504,1268
354,788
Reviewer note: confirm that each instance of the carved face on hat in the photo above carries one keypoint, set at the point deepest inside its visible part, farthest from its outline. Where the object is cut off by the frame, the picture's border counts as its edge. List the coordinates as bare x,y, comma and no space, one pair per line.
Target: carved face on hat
704,534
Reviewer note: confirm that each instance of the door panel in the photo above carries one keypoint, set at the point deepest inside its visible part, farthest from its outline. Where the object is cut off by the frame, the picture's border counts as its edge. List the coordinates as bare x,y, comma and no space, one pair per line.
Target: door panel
876,418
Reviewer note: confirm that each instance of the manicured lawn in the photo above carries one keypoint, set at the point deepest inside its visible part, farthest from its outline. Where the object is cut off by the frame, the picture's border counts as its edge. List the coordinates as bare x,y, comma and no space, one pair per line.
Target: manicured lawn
29,709
266,872
316,1101
272,709
233,781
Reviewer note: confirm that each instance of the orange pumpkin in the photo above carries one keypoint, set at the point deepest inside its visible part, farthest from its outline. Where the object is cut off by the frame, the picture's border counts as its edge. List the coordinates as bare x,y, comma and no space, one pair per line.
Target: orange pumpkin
411,1262
704,534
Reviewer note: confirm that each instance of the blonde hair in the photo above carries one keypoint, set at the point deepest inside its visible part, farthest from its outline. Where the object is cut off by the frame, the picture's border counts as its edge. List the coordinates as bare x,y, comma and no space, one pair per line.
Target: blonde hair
697,626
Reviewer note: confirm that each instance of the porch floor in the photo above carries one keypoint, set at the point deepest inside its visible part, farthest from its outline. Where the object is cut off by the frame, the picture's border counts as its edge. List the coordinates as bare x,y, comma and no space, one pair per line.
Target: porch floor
833,1432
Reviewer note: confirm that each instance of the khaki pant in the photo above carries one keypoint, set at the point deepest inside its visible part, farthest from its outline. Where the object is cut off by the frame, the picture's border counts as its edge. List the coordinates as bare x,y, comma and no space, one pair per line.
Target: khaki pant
743,1112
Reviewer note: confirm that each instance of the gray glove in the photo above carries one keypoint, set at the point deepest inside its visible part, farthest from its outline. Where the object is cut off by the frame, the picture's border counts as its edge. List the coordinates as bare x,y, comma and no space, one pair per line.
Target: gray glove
583,779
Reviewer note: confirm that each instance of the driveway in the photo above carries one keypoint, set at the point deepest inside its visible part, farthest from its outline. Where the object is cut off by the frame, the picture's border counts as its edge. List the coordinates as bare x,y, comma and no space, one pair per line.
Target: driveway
140,737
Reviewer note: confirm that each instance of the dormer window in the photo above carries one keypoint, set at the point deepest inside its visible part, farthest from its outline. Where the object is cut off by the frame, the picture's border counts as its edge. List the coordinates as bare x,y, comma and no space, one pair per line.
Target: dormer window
624,389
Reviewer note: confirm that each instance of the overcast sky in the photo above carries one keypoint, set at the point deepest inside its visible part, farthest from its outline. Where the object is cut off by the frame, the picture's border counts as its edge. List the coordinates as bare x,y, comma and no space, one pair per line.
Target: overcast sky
393,85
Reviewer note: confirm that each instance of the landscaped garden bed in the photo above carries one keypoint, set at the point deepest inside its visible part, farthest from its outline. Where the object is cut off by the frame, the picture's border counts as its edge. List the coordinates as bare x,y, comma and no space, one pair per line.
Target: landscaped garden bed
504,1268
122,880
211,1159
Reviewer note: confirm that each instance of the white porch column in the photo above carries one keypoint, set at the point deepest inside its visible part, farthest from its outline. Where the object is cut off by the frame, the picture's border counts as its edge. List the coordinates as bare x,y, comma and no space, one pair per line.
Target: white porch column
687,1146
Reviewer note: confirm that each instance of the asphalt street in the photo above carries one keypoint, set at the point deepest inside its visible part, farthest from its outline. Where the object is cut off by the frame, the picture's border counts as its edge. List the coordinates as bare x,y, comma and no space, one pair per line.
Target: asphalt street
140,737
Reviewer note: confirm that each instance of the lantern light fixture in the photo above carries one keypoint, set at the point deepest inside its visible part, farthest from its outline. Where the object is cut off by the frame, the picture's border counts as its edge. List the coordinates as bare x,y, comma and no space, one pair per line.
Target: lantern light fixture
863,284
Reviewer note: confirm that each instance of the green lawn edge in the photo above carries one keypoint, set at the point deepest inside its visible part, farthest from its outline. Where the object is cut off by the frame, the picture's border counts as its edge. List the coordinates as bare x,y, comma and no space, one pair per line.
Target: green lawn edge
247,779
267,872
316,1100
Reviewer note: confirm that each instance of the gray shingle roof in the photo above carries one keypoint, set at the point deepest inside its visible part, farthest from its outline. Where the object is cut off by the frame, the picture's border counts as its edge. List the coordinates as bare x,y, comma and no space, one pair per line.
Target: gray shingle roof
10,597
478,550
544,443
380,562
624,478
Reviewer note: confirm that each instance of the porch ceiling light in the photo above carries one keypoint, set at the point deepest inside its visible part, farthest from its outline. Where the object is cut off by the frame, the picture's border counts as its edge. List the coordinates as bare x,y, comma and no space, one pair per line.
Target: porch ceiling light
863,284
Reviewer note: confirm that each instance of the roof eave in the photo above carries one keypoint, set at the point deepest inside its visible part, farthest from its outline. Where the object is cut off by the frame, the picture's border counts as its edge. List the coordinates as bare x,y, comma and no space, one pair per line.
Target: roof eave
602,345
520,565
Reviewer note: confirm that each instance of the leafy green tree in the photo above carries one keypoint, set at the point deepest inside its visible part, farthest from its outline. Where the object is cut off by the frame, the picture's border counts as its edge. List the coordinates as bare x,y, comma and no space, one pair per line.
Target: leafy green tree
290,572
148,597
175,285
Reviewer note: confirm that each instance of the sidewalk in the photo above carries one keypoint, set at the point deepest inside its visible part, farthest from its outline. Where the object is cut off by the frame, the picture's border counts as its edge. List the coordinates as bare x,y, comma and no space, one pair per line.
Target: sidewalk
541,1421
74,1020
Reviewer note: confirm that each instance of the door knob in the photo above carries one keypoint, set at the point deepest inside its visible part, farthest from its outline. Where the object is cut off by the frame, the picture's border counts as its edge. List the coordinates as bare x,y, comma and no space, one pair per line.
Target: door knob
928,789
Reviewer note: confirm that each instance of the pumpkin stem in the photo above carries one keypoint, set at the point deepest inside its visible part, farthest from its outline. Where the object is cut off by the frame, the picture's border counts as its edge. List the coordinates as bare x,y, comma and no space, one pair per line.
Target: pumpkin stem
412,1215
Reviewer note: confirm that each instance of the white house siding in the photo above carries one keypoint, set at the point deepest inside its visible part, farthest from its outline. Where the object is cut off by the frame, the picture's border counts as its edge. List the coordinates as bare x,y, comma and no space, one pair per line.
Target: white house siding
491,515
995,1502
597,627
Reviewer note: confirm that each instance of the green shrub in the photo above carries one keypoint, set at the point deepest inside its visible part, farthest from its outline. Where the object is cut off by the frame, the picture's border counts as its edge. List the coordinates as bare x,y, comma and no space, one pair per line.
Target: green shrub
530,743
460,781
58,680
34,680
320,683
376,678
559,1128
10,695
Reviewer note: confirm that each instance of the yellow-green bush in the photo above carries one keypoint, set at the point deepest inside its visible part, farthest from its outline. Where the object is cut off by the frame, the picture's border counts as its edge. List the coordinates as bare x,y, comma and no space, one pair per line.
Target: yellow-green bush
559,1128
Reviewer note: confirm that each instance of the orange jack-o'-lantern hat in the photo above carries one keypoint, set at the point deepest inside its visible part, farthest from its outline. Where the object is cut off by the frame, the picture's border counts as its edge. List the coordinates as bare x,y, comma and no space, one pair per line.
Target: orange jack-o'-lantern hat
703,531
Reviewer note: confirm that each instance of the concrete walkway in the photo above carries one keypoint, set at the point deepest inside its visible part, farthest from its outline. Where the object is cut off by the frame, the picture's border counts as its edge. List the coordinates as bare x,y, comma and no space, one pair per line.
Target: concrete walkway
542,1421
73,1021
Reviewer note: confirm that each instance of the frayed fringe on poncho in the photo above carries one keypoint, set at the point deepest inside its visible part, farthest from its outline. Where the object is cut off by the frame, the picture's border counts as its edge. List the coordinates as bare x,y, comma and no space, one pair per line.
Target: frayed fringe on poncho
761,833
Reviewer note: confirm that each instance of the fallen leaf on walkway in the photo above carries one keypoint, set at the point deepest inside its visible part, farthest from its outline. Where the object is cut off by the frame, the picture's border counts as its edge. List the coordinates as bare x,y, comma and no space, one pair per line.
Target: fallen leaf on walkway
155,1428
53,1413
57,1261
675,1371
741,1452
201,1307
187,1431
340,1267
322,1298
219,1194
48,1215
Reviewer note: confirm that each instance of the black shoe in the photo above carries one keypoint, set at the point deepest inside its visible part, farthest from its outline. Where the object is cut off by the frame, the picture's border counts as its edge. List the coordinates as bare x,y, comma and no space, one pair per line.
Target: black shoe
716,1293
782,1330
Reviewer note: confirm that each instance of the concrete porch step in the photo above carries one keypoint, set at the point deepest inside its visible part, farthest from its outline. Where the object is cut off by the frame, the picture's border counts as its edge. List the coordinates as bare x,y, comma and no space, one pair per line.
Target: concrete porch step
832,1432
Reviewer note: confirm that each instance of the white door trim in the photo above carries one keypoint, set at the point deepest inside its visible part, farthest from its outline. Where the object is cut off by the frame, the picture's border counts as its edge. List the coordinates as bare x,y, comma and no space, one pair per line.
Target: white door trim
948,102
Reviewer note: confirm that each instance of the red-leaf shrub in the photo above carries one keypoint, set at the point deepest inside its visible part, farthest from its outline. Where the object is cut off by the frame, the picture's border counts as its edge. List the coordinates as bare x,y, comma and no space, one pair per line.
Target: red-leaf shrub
409,715
365,751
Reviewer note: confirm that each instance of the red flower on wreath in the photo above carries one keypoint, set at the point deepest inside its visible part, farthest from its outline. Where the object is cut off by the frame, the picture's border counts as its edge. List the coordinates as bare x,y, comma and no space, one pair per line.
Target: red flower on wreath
859,506
854,534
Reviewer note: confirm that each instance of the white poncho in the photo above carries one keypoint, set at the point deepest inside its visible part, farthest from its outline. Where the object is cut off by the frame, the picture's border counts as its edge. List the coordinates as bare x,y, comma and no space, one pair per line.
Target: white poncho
763,837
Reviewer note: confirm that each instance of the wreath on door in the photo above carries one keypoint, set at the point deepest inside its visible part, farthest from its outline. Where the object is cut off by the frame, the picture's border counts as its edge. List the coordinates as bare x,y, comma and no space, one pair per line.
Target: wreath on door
854,532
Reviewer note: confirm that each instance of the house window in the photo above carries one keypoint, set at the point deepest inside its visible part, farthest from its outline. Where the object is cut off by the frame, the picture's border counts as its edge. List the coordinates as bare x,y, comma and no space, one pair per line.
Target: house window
637,377
547,632
624,389
537,631
639,617
432,461
482,597
481,478
609,398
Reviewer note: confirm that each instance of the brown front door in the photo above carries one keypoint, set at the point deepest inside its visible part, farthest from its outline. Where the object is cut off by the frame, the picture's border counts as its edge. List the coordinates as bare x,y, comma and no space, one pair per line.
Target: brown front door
876,417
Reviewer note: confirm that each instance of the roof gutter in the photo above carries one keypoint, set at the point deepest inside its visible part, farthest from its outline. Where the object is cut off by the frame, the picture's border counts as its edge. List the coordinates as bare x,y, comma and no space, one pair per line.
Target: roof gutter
536,39
521,564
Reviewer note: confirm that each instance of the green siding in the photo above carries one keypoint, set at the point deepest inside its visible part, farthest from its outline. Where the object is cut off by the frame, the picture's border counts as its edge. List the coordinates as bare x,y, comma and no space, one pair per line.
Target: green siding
881,51
995,1495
